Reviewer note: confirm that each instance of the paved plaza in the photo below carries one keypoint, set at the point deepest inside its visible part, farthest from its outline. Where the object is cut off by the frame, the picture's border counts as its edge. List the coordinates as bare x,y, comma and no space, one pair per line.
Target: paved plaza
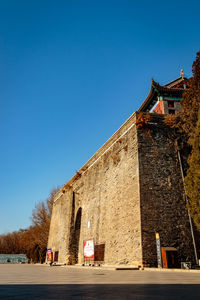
44,282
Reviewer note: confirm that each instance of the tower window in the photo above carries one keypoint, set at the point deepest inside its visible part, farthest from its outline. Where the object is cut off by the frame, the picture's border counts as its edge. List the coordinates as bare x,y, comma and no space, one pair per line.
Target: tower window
170,103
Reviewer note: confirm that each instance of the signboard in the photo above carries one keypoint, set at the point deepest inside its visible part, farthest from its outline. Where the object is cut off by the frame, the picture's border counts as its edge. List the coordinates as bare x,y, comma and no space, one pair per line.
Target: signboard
49,255
99,252
158,248
88,249
186,265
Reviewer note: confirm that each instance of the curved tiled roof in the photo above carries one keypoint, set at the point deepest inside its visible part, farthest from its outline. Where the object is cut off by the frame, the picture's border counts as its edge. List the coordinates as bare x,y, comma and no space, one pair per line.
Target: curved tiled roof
157,89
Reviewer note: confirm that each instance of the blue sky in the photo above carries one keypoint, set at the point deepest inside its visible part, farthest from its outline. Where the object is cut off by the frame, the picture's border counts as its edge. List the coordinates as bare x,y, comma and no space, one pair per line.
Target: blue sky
71,72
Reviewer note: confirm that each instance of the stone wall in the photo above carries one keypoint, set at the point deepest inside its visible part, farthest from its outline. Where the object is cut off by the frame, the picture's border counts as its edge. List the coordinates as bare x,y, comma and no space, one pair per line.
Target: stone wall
106,190
163,206
60,226
130,188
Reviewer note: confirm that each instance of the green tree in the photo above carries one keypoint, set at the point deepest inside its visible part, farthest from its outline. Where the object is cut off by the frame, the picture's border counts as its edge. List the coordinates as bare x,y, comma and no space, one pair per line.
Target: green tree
187,123
192,179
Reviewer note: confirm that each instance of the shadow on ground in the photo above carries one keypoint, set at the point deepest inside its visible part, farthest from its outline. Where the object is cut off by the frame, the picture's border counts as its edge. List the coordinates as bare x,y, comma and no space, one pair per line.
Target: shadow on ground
99,291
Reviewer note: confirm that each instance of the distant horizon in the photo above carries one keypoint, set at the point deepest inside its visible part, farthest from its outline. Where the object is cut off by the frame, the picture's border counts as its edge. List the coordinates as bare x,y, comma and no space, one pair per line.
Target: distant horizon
71,73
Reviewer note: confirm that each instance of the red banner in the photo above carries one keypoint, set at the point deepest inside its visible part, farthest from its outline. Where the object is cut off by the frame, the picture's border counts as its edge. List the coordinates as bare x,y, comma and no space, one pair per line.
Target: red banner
88,249
49,255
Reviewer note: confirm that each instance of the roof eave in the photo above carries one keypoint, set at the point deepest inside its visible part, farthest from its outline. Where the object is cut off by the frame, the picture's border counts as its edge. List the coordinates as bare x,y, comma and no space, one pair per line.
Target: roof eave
149,97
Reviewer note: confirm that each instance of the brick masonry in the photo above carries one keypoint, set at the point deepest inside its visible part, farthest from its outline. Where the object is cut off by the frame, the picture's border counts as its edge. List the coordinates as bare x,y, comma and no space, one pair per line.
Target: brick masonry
129,189
162,198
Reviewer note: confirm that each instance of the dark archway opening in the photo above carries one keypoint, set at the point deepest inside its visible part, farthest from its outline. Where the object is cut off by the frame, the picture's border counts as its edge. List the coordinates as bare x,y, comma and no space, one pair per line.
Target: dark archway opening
77,233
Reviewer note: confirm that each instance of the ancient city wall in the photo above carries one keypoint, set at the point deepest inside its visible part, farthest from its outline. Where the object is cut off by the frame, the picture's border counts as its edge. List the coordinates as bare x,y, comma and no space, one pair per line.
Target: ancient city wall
163,206
130,189
105,192
59,227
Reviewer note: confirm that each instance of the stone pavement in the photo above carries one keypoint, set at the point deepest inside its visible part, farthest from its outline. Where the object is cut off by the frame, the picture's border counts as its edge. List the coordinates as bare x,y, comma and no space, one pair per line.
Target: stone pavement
39,282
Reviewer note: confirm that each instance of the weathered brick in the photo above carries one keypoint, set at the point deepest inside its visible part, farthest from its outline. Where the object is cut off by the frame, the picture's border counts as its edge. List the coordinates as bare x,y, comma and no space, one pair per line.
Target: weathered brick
129,189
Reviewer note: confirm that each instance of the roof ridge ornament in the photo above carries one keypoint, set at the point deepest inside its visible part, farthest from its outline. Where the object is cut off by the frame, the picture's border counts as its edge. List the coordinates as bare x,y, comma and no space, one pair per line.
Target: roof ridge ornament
182,73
